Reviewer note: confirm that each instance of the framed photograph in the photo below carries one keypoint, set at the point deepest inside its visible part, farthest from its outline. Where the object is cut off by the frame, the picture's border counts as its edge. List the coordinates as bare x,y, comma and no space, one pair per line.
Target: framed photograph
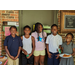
67,21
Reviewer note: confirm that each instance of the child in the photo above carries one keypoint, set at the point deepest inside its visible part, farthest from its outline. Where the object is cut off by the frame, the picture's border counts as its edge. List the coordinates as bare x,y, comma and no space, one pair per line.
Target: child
69,48
27,50
39,52
13,45
53,42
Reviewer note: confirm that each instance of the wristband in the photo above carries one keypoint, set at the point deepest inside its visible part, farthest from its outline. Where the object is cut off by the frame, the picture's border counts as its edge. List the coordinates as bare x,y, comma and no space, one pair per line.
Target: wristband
27,55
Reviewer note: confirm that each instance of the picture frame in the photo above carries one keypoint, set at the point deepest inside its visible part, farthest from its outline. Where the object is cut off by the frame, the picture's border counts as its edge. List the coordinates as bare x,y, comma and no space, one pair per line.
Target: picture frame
67,21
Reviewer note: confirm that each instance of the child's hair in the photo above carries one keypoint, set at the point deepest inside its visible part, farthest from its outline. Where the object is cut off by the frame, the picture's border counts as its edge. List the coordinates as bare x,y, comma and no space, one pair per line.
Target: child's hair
26,27
54,25
70,34
13,27
36,29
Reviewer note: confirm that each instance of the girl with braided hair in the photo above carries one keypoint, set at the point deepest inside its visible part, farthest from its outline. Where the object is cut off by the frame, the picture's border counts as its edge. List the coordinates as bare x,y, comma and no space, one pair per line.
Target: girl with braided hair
40,37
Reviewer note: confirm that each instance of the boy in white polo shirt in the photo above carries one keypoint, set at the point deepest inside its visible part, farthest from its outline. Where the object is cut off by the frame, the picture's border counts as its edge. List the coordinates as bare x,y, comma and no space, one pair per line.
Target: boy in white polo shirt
53,42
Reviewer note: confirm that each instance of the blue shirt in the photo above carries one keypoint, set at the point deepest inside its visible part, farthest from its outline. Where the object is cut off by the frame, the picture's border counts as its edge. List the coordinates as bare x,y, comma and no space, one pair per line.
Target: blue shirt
13,44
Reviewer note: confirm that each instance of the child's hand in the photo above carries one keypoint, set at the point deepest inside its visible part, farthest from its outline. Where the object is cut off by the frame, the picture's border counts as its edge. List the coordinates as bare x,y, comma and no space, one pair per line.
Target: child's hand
15,58
57,56
12,57
57,50
49,55
29,55
25,53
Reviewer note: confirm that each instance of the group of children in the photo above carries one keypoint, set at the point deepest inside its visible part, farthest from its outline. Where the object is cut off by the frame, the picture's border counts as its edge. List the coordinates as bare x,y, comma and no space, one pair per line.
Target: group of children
34,46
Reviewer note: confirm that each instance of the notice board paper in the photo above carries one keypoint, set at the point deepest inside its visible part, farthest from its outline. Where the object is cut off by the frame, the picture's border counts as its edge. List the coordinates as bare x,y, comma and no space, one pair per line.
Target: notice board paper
7,32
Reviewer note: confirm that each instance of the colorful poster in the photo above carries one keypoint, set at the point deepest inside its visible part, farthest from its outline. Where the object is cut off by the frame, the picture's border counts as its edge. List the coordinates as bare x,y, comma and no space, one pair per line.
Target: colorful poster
7,32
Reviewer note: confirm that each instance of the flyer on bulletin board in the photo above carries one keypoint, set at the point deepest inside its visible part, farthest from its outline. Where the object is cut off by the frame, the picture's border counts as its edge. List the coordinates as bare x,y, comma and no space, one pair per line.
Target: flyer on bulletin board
7,31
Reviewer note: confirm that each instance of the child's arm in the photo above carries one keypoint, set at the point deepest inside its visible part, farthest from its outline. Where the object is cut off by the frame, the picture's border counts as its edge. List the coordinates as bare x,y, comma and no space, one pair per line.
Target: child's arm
20,45
61,48
8,53
47,47
49,54
18,53
25,52
60,43
45,39
6,48
45,35
73,52
33,44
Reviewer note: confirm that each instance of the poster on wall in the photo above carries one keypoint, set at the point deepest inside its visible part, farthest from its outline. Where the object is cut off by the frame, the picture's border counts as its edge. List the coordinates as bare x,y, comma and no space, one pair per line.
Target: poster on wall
7,31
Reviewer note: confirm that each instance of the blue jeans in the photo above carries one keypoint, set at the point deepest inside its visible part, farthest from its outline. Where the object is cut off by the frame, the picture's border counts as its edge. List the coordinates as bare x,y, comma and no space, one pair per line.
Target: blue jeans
53,60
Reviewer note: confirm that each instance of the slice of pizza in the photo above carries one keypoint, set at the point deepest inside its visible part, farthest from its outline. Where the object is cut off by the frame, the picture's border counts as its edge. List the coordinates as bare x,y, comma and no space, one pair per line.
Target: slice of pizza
65,55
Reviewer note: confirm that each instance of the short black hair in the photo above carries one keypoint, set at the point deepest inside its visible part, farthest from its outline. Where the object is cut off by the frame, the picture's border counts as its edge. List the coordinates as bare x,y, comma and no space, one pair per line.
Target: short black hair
70,34
54,25
13,27
26,27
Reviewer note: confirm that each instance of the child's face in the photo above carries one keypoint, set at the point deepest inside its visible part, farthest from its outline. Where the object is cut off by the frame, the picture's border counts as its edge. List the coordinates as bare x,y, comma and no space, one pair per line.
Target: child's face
40,28
69,38
54,30
13,31
27,31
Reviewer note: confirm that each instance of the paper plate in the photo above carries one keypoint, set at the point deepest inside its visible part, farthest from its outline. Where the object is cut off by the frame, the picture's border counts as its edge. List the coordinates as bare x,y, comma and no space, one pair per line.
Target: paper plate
61,55
0,62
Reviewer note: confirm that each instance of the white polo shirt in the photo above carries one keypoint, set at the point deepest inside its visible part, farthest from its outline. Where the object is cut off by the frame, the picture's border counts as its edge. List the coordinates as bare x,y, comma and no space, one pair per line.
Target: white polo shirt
54,42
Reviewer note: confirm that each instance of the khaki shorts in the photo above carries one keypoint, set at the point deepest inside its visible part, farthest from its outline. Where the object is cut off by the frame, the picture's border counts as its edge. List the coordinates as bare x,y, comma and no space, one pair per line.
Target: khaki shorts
37,53
12,62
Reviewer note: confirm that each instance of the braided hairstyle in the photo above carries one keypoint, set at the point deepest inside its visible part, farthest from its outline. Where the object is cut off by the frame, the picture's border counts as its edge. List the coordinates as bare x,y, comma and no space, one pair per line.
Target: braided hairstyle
36,29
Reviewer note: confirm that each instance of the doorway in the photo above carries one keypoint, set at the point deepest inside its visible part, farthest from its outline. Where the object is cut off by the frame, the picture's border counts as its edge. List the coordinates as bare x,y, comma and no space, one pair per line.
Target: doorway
30,17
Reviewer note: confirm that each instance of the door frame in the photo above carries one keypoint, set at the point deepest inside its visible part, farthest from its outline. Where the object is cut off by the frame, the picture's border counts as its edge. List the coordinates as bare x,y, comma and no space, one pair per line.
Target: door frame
20,22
